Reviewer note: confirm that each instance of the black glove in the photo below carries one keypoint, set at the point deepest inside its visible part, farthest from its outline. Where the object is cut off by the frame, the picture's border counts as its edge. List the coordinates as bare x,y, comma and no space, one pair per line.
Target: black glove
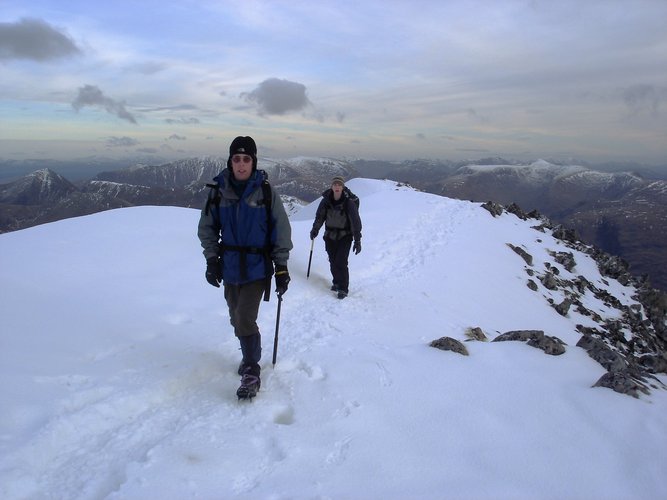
357,247
213,271
313,234
282,279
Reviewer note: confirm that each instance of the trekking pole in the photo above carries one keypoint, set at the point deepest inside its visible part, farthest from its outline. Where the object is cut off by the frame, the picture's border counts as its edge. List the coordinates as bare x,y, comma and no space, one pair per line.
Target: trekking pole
310,259
275,337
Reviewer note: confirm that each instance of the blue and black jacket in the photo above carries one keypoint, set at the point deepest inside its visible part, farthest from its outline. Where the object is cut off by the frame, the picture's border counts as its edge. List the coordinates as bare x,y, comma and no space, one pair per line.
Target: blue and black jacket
235,227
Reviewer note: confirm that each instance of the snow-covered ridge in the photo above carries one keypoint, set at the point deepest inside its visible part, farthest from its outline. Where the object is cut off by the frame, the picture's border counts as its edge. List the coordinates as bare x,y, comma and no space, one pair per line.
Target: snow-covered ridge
121,384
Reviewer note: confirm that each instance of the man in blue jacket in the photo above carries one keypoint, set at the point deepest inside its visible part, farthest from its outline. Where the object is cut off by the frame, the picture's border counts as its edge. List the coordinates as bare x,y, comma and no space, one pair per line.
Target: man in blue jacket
245,232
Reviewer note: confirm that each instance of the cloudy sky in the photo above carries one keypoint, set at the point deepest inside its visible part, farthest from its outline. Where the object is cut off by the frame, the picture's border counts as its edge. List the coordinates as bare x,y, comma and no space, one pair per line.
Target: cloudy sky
363,78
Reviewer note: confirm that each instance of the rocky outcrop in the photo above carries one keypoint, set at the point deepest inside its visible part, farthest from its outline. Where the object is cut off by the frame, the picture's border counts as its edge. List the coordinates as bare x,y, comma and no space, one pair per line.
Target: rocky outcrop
476,333
632,345
449,344
535,338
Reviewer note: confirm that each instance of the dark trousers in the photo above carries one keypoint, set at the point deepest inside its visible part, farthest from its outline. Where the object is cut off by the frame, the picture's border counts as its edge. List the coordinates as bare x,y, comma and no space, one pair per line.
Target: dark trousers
243,302
338,252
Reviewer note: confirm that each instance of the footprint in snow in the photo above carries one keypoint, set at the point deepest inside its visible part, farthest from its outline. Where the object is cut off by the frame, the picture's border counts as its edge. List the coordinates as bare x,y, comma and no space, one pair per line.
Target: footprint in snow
347,409
340,452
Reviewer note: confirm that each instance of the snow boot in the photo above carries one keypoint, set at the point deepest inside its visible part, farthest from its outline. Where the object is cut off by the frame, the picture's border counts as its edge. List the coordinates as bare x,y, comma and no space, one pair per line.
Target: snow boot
250,383
342,294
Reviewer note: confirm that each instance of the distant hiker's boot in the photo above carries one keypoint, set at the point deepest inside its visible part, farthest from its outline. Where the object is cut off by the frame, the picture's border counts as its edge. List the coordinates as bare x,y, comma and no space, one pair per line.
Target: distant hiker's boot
342,294
334,287
250,383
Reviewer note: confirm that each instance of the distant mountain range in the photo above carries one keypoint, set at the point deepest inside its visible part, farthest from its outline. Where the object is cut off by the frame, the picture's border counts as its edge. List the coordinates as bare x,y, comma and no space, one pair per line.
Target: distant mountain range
620,212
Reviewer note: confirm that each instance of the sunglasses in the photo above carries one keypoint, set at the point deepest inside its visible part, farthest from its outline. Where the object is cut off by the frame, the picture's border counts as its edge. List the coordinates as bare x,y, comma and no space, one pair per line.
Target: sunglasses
241,158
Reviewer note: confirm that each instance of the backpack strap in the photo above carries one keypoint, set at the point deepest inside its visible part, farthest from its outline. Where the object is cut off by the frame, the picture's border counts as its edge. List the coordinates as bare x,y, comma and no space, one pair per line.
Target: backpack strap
214,196
268,265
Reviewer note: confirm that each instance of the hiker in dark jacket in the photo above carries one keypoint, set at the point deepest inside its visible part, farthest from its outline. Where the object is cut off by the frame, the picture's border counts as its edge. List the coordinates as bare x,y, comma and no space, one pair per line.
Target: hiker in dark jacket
342,225
242,245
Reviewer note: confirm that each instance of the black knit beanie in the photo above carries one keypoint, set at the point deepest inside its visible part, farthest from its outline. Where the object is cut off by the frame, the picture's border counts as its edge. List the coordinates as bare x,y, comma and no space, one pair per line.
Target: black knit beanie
244,146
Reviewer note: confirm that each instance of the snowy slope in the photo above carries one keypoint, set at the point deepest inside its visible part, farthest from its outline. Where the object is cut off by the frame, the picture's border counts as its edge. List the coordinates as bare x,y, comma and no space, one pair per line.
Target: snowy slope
118,368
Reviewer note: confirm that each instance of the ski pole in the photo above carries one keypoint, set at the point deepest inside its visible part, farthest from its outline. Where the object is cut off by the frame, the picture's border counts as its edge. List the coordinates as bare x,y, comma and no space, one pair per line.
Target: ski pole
310,259
275,337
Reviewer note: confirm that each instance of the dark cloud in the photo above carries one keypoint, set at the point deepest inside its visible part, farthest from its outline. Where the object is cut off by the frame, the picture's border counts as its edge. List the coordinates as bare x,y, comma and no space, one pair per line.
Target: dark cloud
121,142
644,99
176,137
340,117
90,95
34,39
278,97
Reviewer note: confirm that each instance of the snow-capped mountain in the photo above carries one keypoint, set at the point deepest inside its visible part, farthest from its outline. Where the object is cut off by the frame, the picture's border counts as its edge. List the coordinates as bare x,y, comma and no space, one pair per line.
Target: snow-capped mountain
301,177
44,196
541,185
41,187
620,212
118,365
182,174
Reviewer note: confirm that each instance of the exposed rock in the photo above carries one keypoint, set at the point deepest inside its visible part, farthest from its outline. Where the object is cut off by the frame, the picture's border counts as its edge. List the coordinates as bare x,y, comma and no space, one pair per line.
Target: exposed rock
630,345
608,299
565,234
614,267
653,363
552,269
476,333
549,281
494,209
565,259
623,381
655,304
524,255
535,338
563,307
581,284
516,210
449,344
598,350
